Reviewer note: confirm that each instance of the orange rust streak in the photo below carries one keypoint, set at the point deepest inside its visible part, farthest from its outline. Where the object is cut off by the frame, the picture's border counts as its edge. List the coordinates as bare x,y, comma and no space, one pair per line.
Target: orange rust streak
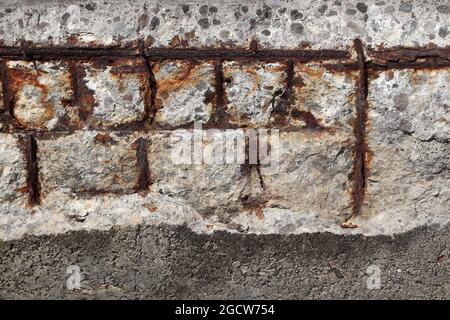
187,76
18,79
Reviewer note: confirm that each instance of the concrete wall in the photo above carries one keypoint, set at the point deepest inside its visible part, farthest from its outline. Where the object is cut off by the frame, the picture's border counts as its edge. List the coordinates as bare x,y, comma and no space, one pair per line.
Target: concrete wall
97,95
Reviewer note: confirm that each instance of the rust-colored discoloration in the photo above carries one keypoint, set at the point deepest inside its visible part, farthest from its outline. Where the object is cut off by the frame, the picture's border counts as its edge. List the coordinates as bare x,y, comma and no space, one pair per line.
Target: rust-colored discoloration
220,114
108,85
36,91
360,151
254,45
401,54
253,91
309,119
348,225
104,138
151,207
150,94
185,76
259,213
84,96
308,107
28,145
182,82
280,110
142,160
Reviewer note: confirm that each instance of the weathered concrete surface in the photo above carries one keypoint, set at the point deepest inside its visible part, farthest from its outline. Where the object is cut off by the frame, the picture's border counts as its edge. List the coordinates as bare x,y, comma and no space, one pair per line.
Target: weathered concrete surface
141,226
184,92
408,139
114,92
13,175
252,90
279,24
88,162
211,189
334,110
305,182
172,262
41,93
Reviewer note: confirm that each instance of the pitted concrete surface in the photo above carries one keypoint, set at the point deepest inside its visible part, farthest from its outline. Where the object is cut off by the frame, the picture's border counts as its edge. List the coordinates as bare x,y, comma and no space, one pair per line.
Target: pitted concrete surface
277,24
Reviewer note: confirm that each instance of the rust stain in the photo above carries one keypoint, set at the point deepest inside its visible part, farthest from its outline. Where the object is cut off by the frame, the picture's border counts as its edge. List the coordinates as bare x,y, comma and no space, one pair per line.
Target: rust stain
303,87
309,119
104,138
259,213
280,110
120,71
348,225
151,207
19,78
84,96
311,71
402,54
360,151
175,42
186,76
28,145
142,161
150,86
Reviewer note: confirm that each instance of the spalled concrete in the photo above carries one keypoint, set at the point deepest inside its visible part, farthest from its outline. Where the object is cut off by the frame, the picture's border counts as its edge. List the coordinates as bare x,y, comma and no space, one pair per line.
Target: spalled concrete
95,97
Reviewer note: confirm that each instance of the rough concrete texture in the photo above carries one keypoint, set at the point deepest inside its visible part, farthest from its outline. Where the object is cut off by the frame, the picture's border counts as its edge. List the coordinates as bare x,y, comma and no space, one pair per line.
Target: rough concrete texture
305,183
251,90
41,91
277,24
118,88
184,92
96,97
334,110
409,142
13,175
212,189
87,161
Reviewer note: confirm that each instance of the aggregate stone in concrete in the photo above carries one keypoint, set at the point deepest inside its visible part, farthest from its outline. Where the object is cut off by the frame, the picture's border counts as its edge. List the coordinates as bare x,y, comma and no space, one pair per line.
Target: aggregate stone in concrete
40,93
274,24
210,188
323,98
252,89
87,161
13,175
313,174
116,92
185,92
408,138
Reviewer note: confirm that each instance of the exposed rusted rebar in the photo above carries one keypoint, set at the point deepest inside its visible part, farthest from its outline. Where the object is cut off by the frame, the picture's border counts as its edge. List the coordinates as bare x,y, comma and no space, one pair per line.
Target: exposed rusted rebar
32,170
359,130
169,53
142,161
